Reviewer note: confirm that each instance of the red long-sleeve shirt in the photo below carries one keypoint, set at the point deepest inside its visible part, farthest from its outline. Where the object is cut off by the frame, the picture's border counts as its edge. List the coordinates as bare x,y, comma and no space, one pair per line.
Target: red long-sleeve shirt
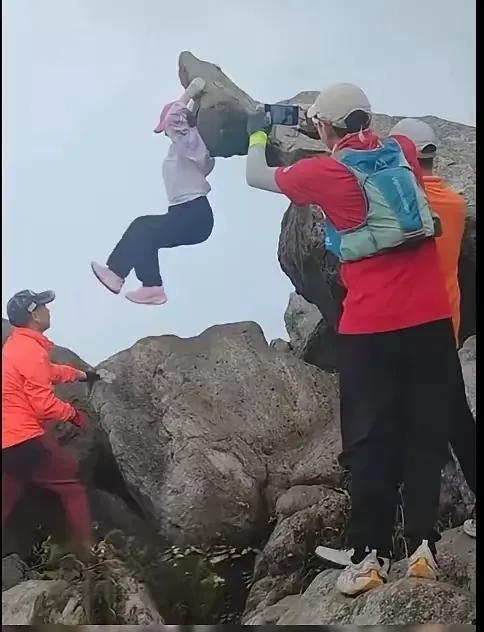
28,398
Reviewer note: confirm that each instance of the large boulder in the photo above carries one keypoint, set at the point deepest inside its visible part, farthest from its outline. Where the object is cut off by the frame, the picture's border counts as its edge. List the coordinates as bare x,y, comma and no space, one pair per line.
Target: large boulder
311,338
222,117
208,431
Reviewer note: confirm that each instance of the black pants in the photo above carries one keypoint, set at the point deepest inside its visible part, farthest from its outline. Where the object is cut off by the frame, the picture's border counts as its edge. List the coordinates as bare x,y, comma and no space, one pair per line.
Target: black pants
184,225
398,401
464,436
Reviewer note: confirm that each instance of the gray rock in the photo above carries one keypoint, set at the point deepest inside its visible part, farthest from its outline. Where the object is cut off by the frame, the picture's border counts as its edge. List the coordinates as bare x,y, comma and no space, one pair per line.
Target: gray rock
468,362
208,431
456,498
300,318
14,571
222,117
272,614
296,536
137,607
312,339
31,602
403,602
267,592
278,344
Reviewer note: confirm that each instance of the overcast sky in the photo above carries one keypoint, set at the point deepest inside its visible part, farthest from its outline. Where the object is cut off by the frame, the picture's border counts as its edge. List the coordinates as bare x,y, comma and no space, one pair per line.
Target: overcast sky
83,84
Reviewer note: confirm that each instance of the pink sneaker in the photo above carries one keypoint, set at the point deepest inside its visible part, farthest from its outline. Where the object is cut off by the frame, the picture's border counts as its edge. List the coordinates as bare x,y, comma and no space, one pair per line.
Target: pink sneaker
147,296
107,277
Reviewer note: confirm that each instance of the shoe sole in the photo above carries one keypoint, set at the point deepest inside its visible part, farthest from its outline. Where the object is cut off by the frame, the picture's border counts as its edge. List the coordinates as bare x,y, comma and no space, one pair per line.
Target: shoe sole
420,569
104,284
374,581
470,532
336,556
132,300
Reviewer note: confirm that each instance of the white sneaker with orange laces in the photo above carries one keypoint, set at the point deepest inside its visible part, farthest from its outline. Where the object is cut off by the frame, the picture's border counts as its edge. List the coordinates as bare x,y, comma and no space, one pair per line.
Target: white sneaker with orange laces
359,578
422,564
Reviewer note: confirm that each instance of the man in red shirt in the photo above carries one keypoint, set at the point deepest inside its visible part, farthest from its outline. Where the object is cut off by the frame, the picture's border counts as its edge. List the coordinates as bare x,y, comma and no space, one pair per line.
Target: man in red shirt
398,359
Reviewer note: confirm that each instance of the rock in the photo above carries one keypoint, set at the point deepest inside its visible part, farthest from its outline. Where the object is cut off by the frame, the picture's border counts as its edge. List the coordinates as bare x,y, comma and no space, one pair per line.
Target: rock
137,606
267,592
272,614
222,117
296,536
403,602
456,498
312,339
32,602
73,594
308,515
14,571
207,431
468,362
301,319
280,345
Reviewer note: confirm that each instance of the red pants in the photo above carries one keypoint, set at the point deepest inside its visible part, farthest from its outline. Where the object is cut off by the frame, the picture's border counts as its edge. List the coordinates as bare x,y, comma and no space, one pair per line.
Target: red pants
44,463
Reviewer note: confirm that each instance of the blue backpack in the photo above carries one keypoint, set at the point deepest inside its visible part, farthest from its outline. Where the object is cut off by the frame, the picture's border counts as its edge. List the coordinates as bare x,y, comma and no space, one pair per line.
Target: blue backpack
397,211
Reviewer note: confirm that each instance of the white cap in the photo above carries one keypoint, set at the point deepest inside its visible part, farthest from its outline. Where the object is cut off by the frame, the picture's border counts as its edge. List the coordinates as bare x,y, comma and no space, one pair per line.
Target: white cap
336,103
421,133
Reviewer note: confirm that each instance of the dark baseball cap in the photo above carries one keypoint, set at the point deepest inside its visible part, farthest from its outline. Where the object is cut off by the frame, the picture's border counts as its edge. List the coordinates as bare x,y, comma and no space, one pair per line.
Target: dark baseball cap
22,304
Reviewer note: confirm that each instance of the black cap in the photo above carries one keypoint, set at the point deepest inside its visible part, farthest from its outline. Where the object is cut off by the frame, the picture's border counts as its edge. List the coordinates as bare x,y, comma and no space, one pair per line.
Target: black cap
22,304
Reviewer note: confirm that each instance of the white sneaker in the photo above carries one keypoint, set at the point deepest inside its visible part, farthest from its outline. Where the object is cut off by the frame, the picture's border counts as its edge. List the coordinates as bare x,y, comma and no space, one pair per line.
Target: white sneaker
336,556
470,527
422,564
359,578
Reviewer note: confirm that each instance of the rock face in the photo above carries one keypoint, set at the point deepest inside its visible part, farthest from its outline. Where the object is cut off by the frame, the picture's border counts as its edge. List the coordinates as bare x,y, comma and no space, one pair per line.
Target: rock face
207,431
311,338
313,271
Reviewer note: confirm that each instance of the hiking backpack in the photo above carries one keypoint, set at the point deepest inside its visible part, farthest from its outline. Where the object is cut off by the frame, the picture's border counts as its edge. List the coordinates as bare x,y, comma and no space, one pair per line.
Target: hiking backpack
397,211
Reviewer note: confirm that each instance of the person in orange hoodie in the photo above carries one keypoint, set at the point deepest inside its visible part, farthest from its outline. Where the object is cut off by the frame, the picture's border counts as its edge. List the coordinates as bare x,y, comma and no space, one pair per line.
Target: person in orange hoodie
29,455
451,209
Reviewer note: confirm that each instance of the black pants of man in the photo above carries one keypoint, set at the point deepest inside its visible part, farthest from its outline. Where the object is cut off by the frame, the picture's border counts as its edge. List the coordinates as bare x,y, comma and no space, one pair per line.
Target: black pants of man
184,225
398,392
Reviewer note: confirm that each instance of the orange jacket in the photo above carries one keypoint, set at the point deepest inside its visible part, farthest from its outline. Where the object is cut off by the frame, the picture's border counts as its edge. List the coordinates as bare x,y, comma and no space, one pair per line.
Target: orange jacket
450,207
28,377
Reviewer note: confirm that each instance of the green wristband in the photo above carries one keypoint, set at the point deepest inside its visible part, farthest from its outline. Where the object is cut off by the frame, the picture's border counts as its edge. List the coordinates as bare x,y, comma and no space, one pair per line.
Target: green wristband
258,138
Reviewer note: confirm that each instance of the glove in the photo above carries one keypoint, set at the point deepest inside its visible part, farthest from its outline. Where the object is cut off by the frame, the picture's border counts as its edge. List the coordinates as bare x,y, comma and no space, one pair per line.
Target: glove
258,122
79,420
91,377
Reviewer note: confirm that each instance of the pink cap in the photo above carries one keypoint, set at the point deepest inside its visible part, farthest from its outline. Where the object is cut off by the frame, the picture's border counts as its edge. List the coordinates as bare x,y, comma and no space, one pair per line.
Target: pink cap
163,118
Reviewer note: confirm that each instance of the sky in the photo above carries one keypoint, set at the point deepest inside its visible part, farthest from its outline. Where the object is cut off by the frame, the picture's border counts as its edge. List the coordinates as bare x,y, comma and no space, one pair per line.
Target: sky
83,84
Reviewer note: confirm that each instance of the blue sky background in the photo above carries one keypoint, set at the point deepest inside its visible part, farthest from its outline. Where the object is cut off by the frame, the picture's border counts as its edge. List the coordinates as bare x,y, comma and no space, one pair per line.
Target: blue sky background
83,84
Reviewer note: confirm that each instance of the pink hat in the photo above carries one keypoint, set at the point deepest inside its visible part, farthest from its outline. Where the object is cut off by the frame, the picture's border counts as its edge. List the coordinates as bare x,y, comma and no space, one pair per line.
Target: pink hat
163,118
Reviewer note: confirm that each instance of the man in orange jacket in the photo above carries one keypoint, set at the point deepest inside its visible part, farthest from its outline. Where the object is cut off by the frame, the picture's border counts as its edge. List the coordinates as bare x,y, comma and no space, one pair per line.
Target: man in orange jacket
450,207
29,456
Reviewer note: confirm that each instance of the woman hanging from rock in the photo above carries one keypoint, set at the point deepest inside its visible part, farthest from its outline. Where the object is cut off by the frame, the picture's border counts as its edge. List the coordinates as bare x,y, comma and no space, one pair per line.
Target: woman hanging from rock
189,219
